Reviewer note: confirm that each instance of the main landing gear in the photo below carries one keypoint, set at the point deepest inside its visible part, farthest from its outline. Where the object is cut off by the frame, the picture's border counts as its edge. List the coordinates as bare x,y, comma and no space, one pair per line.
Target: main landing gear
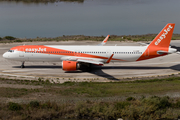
22,66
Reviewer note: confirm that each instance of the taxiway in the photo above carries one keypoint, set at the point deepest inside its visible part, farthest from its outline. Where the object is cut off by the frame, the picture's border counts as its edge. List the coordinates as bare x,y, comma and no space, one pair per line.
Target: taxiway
166,65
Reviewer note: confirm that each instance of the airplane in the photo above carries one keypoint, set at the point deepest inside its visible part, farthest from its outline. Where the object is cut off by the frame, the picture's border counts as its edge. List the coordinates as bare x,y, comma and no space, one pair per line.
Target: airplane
81,57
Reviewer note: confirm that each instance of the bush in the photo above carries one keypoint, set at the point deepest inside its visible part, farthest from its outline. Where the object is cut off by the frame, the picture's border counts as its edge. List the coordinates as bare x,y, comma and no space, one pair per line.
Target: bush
130,99
121,105
39,79
164,102
158,102
14,106
9,38
128,38
0,38
47,105
18,41
34,104
177,104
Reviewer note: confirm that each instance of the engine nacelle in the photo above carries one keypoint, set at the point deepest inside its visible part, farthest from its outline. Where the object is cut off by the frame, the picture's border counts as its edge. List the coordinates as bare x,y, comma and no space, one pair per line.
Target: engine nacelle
69,65
73,66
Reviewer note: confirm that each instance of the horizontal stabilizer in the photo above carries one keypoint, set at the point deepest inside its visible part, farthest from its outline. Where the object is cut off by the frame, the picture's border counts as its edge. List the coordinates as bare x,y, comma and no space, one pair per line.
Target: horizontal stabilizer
178,52
145,44
160,52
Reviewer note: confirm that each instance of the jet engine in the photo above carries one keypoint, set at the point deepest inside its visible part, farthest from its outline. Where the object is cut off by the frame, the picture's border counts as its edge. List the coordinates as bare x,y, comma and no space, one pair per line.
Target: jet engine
69,65
73,66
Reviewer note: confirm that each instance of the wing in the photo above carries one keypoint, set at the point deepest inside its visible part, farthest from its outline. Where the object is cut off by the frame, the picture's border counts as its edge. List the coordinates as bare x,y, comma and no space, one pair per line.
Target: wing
93,61
90,61
87,60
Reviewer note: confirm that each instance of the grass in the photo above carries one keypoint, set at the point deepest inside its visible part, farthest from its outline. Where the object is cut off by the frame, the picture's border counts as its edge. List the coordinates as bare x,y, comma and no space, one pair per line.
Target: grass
140,99
150,108
121,89
135,38
13,92
94,89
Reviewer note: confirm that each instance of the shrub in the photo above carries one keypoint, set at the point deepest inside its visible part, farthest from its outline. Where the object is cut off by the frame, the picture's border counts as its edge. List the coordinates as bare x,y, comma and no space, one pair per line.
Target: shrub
158,102
164,102
50,105
9,38
47,81
34,104
39,79
18,41
177,104
128,38
130,99
121,105
14,106
47,105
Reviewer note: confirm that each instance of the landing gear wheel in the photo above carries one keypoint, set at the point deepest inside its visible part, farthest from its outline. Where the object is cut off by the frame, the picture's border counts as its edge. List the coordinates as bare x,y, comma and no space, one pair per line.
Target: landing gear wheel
22,66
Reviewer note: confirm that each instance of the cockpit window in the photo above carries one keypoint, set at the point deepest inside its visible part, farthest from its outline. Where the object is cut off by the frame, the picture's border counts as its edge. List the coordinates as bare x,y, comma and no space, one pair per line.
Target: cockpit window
10,50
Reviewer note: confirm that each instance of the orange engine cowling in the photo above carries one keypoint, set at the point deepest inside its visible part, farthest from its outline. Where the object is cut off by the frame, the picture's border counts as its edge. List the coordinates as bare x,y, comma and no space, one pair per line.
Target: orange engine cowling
69,65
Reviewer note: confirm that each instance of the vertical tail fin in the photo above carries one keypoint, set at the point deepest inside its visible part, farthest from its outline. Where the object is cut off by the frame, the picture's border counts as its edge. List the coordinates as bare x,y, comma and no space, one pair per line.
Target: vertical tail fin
160,43
163,39
104,41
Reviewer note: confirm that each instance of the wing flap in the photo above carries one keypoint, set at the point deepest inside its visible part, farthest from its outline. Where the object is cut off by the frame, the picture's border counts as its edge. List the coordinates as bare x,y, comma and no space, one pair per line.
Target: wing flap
90,61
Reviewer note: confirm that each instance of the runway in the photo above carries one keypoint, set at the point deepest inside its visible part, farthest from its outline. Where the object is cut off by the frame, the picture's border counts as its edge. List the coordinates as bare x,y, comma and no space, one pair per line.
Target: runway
166,65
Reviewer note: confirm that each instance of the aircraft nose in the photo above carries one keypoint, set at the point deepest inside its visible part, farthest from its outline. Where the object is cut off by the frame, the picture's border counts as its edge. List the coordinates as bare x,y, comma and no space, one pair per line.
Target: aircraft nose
5,55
